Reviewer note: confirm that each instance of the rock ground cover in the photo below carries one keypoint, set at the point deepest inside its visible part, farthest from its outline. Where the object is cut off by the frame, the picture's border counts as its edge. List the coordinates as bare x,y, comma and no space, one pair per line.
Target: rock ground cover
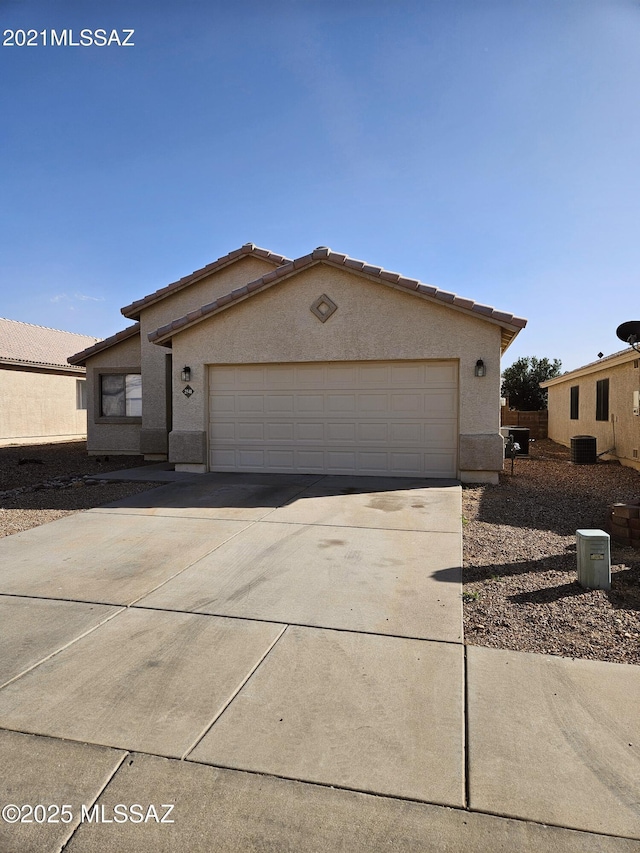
39,483
520,587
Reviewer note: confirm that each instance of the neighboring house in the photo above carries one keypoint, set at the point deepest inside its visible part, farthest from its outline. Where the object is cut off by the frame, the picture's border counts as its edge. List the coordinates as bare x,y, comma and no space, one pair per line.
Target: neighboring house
600,399
323,364
42,396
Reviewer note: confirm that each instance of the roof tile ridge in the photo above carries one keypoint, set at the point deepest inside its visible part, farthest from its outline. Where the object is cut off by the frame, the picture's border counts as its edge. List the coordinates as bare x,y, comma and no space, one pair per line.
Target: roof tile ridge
414,284
105,343
245,250
323,253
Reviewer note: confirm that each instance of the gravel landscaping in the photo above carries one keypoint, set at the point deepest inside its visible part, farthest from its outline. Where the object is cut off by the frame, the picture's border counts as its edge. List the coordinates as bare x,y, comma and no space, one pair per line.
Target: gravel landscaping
520,588
42,482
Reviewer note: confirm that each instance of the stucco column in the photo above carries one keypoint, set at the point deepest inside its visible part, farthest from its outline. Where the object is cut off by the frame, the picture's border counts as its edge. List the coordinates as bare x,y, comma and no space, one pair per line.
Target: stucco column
188,438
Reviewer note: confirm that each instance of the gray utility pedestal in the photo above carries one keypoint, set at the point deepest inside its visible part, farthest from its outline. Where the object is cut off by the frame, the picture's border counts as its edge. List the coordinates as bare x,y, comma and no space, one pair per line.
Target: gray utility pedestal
594,559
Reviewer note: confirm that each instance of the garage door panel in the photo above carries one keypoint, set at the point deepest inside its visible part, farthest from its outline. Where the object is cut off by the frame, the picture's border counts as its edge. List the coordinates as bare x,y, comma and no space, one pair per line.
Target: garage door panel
310,460
251,458
250,403
226,378
250,431
406,462
440,434
222,404
439,464
277,376
341,432
440,404
375,461
342,403
410,432
280,431
373,432
310,404
222,459
279,404
407,374
443,374
341,460
360,418
373,375
310,432
342,375
407,404
223,431
280,460
309,376
374,404
250,377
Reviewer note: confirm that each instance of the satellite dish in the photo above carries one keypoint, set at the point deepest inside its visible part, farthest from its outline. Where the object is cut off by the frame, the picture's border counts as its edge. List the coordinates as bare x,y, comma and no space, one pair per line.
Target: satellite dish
629,332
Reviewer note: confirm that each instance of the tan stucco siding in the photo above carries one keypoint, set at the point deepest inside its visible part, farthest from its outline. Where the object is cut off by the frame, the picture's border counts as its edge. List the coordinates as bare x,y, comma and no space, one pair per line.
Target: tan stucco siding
621,431
117,437
170,308
373,322
39,405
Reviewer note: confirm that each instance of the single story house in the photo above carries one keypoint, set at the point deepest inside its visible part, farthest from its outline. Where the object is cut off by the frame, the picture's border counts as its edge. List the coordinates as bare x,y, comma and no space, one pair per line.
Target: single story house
600,399
42,396
322,364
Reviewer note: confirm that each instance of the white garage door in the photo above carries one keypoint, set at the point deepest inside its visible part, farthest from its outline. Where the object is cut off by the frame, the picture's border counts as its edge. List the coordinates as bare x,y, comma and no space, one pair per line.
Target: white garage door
369,417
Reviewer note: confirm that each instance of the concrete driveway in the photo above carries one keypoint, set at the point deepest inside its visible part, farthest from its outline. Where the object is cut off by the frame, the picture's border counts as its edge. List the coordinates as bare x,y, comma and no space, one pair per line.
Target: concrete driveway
280,659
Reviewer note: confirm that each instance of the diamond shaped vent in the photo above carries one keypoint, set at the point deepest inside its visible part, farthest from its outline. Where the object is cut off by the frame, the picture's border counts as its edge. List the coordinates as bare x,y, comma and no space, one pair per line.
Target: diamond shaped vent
324,307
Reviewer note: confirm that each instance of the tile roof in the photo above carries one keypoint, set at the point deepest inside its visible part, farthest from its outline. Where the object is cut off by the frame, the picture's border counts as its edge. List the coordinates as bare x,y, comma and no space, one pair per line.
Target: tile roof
324,255
249,249
31,345
81,357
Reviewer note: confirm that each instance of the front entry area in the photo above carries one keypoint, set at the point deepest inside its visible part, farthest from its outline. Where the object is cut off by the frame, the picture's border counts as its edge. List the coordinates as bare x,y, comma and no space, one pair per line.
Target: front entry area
394,417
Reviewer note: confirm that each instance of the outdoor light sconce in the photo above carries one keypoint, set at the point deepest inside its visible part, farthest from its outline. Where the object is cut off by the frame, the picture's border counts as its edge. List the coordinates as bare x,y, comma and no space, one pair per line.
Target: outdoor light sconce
186,374
480,370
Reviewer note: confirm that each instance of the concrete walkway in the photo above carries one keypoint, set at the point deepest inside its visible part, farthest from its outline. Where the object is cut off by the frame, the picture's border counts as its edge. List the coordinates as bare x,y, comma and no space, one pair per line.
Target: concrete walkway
276,663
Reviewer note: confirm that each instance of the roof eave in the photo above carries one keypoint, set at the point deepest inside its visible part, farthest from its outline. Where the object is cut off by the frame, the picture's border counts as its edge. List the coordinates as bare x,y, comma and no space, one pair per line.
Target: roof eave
228,301
38,365
163,335
249,250
80,358
594,367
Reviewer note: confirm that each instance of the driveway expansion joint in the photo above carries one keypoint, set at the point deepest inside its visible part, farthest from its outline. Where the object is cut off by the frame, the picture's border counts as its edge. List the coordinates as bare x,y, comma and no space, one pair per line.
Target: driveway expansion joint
191,565
458,642
246,679
355,526
89,806
66,645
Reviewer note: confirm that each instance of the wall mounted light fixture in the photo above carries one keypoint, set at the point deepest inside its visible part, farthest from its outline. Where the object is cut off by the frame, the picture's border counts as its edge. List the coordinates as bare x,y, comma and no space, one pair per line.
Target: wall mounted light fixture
480,370
186,374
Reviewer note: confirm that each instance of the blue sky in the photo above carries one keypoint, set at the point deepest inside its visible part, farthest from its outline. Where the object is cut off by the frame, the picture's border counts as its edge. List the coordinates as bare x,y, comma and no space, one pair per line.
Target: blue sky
488,147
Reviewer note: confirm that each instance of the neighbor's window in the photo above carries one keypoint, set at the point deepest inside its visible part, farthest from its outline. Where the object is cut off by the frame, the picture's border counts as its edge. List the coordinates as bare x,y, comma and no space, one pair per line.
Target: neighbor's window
575,402
121,395
81,393
602,400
